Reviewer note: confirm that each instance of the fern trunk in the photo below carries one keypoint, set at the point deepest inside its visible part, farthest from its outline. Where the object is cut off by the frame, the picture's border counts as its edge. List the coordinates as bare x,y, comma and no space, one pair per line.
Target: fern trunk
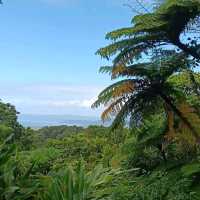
180,115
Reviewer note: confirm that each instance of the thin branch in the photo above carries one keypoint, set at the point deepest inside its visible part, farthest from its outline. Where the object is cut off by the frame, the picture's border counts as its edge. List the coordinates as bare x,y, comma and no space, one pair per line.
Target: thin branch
142,6
132,9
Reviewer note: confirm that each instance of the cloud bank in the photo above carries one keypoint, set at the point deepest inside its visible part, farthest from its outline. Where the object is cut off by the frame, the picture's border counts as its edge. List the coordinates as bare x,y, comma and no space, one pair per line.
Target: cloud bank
52,99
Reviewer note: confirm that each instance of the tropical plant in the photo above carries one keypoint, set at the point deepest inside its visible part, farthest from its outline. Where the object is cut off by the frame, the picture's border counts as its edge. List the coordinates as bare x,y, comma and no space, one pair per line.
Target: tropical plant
13,184
77,184
145,90
154,29
160,29
163,184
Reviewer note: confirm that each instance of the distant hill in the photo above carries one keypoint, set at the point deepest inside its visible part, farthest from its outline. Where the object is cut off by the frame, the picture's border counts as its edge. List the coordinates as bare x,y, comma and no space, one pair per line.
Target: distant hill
38,121
58,132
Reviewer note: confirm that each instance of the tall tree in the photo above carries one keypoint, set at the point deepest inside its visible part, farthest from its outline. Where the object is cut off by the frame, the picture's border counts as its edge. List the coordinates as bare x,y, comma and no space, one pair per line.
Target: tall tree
8,118
162,28
145,90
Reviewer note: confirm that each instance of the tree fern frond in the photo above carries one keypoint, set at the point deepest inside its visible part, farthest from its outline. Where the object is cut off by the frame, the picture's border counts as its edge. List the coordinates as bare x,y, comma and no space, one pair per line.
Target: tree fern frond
131,53
140,70
115,47
139,43
192,117
107,94
123,32
106,69
126,88
122,114
112,109
148,23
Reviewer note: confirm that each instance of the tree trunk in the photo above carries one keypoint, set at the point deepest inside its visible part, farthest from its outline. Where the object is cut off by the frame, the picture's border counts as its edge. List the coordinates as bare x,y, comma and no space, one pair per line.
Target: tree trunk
194,54
179,114
186,49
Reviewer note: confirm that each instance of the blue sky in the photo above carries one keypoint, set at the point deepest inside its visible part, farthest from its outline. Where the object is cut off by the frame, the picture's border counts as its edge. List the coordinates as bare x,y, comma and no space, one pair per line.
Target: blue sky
47,52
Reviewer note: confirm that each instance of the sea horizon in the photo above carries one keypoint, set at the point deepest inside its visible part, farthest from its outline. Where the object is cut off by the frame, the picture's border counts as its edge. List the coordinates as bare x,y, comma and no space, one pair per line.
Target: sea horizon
42,120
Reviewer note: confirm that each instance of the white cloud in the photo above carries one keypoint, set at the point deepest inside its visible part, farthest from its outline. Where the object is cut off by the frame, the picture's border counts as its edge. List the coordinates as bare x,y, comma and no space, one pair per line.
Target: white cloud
85,103
51,99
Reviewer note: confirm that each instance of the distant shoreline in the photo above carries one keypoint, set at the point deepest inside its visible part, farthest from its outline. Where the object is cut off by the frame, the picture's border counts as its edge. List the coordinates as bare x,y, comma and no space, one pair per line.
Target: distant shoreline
38,121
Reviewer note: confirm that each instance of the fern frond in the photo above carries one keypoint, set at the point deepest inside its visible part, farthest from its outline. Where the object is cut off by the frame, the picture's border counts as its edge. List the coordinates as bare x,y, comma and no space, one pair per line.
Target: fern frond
123,32
126,88
139,43
107,94
112,109
193,118
106,69
122,114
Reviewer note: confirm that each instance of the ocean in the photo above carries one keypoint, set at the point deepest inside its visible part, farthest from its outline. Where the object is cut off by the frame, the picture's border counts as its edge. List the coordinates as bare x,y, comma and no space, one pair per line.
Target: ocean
38,121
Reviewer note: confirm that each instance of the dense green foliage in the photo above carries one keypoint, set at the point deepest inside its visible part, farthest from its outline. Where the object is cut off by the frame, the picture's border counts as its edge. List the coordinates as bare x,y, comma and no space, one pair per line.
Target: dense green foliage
151,151
57,132
159,94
